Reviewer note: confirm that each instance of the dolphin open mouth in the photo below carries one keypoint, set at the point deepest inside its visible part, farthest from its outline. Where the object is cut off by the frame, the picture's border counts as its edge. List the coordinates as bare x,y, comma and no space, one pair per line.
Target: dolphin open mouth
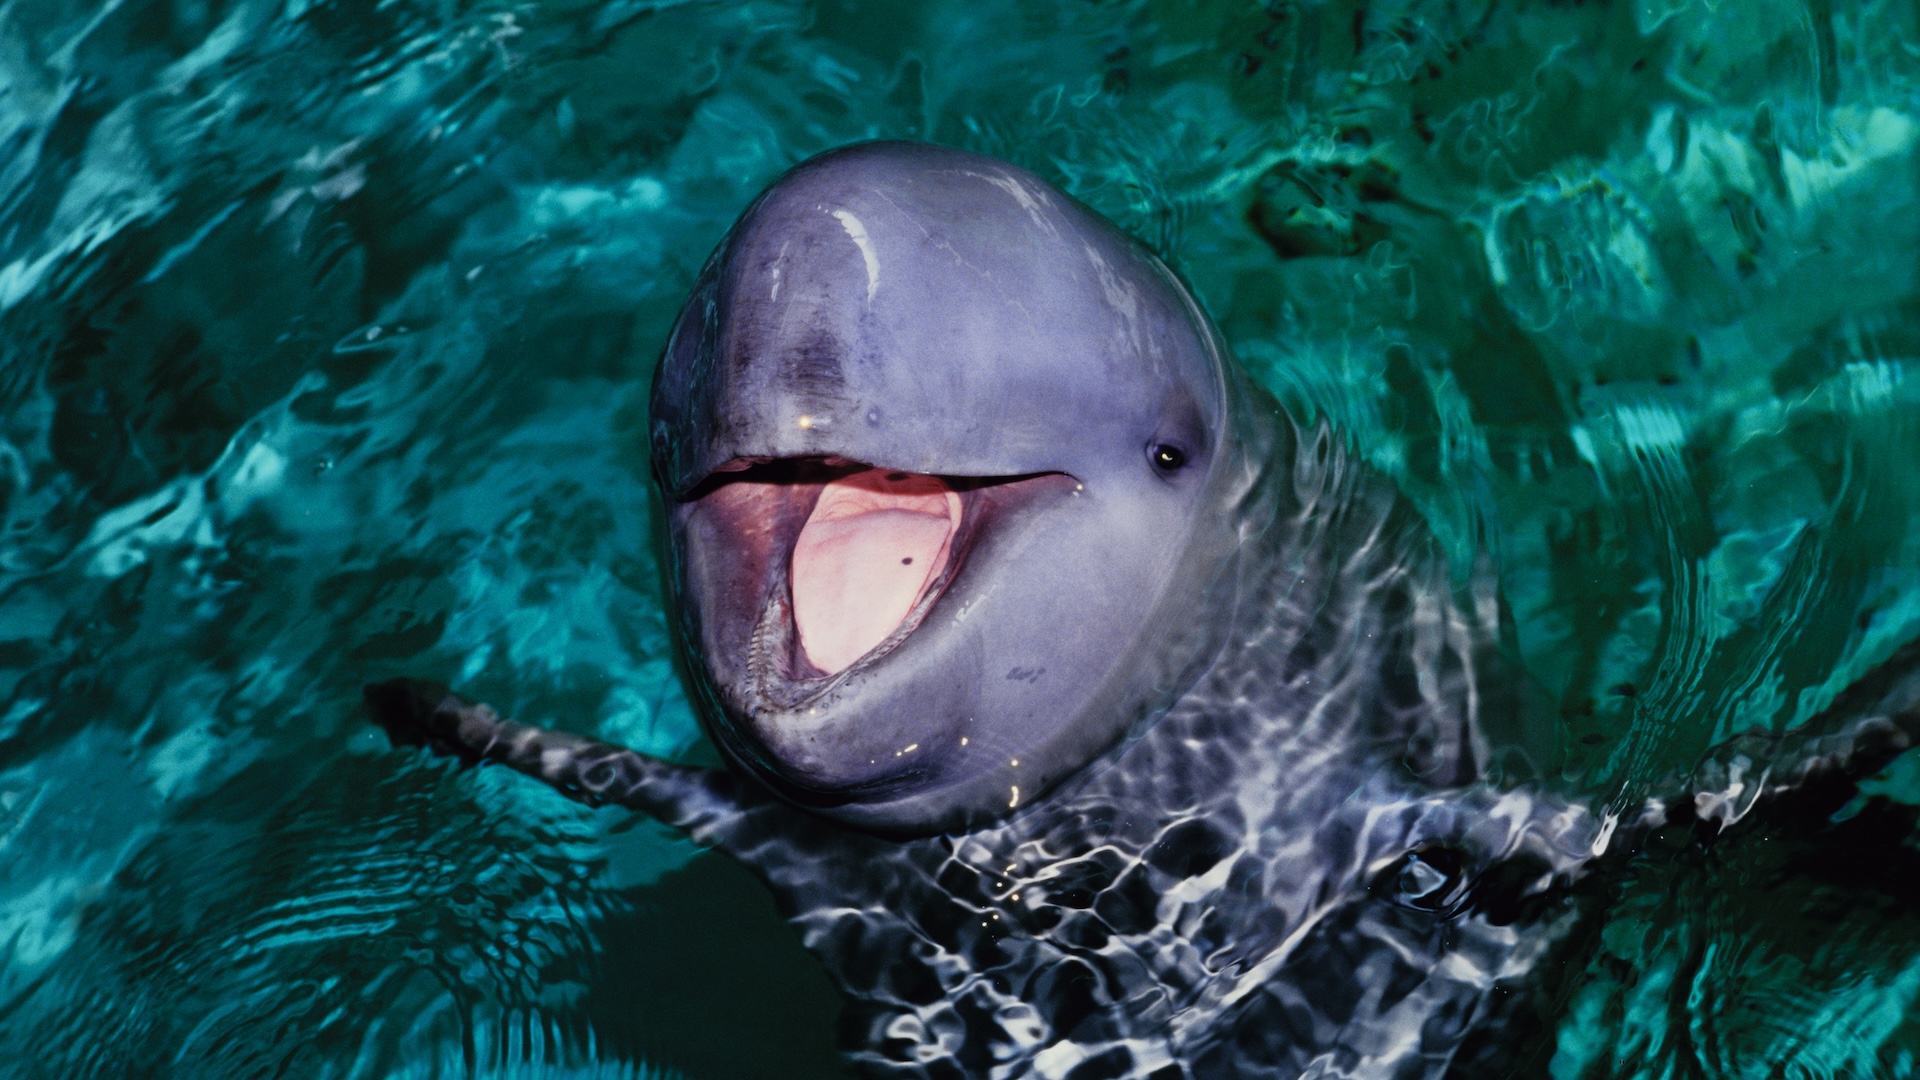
834,562
873,544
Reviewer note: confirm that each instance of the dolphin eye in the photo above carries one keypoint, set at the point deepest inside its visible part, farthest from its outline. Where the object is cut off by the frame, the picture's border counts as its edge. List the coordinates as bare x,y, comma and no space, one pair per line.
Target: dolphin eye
1167,457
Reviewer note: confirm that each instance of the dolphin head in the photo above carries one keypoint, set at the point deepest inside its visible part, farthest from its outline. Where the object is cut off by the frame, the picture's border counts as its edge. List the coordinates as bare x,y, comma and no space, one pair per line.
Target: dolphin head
950,470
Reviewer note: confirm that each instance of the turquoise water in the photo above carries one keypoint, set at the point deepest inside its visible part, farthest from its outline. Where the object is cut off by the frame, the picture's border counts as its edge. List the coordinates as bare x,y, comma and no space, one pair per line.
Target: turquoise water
325,331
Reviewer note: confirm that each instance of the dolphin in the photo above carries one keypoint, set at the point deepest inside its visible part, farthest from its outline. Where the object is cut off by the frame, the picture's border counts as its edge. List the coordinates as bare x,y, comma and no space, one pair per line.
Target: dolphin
1088,715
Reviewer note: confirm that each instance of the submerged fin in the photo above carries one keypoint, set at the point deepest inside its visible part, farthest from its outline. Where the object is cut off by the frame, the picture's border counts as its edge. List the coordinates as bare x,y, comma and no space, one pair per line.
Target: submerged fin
785,847
1866,727
419,713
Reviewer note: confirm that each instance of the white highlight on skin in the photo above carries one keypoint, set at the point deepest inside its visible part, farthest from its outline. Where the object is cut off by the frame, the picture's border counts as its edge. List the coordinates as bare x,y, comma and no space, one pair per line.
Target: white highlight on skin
858,234
1122,295
1034,202
775,295
1028,200
873,543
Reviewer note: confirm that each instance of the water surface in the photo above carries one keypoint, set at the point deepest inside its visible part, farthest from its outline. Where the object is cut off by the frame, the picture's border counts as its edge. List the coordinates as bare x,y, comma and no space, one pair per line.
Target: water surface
325,331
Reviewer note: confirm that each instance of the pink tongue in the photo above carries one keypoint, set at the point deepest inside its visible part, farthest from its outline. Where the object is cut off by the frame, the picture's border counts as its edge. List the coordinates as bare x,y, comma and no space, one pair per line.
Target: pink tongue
865,555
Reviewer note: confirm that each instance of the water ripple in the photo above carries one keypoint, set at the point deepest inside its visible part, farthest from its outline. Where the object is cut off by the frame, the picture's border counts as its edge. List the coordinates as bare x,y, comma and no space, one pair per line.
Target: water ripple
325,330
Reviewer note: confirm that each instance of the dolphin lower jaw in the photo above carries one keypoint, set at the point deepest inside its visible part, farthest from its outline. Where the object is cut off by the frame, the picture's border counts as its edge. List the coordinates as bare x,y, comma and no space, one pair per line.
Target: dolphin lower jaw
826,738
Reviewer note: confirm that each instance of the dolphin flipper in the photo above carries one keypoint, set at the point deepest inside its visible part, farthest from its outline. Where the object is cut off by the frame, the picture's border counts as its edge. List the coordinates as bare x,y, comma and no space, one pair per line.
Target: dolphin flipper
697,801
1867,725
786,848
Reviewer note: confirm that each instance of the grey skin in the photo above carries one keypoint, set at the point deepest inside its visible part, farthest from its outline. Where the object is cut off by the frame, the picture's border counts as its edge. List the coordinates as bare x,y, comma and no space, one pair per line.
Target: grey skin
1192,765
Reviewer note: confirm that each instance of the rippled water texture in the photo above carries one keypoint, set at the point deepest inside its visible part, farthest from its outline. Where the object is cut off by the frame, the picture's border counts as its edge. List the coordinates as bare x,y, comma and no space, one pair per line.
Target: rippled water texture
325,330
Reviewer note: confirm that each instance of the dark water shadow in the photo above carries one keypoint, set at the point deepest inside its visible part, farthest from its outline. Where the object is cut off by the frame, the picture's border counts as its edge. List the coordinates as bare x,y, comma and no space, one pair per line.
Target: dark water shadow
708,933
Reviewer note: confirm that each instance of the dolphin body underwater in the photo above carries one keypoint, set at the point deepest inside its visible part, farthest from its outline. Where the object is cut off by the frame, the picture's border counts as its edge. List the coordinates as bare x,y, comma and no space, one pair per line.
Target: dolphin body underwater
1088,716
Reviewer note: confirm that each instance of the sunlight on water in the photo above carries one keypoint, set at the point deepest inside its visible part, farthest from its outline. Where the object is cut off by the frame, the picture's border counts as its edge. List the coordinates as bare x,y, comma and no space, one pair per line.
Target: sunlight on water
325,331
